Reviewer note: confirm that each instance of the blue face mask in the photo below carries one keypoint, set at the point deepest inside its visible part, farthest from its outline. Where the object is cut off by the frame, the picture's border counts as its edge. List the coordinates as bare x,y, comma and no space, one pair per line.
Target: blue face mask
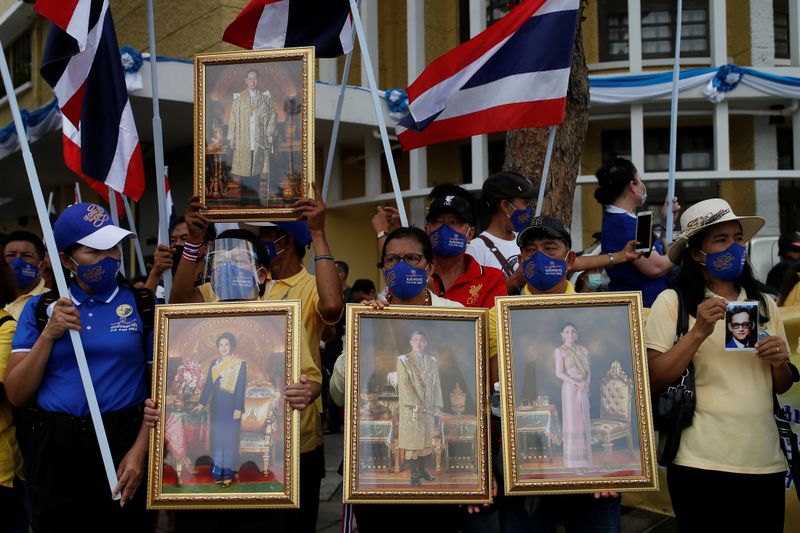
447,242
543,272
521,218
272,250
24,273
405,281
594,280
101,277
728,264
230,282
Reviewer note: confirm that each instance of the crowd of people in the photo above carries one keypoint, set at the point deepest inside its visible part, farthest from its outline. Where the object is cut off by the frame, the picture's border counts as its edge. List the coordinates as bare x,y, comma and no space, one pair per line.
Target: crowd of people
51,470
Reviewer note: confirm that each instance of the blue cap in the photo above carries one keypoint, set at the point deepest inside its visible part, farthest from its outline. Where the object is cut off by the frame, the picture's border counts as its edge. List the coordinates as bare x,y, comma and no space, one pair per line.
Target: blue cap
298,230
87,224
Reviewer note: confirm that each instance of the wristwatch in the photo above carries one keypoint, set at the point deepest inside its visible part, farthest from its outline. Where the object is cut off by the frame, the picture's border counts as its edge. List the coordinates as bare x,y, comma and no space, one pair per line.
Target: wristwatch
382,234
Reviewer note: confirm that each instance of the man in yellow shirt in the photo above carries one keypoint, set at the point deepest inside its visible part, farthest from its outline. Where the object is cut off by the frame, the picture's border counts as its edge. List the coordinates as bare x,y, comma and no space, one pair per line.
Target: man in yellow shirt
545,259
25,255
321,304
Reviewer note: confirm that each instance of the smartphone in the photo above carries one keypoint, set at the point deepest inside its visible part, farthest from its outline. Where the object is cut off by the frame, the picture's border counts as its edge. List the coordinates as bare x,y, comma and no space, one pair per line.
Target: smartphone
644,231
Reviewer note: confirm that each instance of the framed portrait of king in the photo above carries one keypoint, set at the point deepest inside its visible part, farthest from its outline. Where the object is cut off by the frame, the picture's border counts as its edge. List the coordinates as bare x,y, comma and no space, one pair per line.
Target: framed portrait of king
416,418
226,437
574,395
254,132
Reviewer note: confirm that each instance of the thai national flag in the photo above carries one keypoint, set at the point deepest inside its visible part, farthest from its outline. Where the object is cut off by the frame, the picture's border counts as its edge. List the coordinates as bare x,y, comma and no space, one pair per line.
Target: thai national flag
72,16
100,140
512,75
325,24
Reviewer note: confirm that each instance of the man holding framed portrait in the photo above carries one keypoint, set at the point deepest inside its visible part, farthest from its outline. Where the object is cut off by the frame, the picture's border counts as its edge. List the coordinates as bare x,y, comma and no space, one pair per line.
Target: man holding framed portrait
281,276
545,259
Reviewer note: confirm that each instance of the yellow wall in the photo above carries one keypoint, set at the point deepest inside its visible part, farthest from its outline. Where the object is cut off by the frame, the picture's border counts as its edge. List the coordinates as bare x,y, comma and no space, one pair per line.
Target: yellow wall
392,44
738,29
353,241
591,36
182,28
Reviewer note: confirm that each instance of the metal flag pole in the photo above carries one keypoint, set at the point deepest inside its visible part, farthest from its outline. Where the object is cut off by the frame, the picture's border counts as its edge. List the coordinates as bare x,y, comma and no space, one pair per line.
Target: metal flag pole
137,245
49,203
158,145
58,273
373,89
551,139
673,123
112,204
78,192
336,120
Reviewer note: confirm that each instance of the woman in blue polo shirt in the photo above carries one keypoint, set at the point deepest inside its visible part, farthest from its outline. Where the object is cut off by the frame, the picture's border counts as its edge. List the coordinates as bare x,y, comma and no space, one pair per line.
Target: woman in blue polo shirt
66,477
621,191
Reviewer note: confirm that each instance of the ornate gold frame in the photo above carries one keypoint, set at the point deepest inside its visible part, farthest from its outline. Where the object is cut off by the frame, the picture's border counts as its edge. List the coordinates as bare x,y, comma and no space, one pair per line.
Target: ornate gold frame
289,497
648,480
201,62
353,492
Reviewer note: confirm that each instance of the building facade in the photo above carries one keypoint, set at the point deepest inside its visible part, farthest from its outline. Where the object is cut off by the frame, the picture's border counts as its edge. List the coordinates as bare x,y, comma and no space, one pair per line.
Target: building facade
742,148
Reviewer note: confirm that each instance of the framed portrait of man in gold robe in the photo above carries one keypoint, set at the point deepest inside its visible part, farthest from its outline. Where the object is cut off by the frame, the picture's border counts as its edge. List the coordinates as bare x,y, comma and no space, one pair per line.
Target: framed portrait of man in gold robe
417,423
254,132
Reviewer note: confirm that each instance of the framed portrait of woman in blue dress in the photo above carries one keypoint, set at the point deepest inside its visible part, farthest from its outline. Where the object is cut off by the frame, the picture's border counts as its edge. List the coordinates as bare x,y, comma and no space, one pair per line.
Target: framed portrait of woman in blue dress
226,437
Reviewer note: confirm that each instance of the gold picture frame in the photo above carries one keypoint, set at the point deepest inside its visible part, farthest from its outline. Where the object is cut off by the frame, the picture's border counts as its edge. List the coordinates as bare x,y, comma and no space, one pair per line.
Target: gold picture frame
254,132
438,450
575,401
226,438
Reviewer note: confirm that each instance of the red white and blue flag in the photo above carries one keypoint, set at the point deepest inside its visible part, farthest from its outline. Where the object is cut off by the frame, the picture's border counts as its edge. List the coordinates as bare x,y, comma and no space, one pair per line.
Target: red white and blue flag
72,16
325,24
101,144
512,75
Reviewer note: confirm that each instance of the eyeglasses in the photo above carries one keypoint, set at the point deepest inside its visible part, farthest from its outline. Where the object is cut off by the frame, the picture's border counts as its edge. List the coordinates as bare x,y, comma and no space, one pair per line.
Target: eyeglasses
741,325
410,259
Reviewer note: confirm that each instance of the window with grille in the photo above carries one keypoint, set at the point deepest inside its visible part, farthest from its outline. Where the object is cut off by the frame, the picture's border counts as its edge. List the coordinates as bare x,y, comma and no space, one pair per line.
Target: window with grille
18,55
780,23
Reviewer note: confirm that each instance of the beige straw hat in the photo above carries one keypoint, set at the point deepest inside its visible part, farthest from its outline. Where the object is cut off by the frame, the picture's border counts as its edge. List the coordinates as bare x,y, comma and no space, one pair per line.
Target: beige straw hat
707,213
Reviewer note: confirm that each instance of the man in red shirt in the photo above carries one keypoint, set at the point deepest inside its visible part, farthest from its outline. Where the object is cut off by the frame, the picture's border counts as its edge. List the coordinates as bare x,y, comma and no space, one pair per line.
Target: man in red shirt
457,275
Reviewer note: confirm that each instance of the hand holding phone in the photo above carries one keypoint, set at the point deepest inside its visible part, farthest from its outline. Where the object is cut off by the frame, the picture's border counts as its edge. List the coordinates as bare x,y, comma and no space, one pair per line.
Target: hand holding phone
644,231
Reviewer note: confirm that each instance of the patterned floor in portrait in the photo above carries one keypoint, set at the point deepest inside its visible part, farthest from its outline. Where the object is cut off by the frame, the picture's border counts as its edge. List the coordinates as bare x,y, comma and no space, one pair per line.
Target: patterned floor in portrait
621,462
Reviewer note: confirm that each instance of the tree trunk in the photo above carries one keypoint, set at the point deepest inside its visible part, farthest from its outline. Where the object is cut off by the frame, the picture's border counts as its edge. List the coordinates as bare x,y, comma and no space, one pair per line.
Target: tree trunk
525,149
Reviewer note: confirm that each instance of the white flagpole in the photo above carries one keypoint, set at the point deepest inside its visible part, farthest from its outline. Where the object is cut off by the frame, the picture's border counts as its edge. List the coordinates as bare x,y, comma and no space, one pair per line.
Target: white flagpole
336,120
78,192
387,148
137,245
551,139
58,273
673,123
158,145
112,203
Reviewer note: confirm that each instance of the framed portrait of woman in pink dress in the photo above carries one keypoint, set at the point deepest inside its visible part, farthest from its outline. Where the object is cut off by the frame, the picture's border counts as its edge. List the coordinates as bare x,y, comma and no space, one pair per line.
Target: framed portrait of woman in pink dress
574,394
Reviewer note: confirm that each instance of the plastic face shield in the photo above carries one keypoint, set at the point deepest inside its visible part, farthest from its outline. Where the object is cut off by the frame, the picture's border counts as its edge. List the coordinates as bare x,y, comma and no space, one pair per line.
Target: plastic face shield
232,270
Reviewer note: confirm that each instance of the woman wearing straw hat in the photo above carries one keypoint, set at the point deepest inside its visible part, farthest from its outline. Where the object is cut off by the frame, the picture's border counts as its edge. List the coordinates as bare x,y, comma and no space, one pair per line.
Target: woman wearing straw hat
729,470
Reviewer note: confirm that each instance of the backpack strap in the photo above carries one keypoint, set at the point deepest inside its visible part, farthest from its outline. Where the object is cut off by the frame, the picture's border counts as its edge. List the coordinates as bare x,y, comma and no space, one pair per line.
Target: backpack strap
682,326
5,319
507,270
146,307
40,312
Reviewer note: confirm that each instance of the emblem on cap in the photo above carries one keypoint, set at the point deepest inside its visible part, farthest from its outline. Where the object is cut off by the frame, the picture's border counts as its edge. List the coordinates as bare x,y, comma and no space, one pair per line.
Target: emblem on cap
124,310
448,200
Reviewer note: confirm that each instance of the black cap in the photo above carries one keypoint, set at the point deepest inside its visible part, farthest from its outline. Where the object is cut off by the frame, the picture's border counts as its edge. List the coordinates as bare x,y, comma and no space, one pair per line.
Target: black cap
450,202
546,224
506,185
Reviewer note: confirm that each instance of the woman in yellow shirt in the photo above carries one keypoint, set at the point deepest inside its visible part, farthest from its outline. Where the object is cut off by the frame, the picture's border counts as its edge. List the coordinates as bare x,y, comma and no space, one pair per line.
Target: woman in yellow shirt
10,456
728,474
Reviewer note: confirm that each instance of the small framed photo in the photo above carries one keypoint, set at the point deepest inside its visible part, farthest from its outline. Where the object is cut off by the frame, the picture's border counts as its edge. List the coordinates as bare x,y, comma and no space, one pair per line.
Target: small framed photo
417,426
575,395
254,132
741,326
226,438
